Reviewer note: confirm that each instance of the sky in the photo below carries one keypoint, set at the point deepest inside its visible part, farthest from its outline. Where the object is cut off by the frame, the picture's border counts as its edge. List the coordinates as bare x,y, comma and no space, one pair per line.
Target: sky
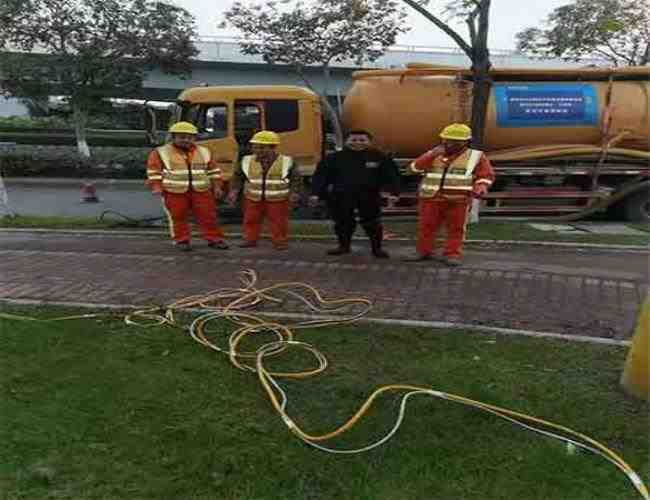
507,17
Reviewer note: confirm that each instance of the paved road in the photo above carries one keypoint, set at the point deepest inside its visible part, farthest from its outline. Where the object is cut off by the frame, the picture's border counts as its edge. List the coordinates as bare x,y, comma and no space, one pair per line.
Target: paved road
132,200
553,290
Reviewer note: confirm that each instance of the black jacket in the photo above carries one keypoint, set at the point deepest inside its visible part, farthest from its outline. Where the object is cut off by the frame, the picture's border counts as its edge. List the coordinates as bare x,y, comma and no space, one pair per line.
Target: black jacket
352,172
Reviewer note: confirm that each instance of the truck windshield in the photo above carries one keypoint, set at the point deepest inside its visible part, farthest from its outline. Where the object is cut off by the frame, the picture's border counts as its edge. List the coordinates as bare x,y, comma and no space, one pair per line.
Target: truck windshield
210,119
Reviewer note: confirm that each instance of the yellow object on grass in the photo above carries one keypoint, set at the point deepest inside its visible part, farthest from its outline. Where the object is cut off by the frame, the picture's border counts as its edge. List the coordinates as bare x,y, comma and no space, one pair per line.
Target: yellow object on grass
636,375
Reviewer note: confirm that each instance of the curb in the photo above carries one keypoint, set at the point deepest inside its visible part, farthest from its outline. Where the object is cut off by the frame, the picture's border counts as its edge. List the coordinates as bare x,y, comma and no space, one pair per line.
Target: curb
158,233
379,321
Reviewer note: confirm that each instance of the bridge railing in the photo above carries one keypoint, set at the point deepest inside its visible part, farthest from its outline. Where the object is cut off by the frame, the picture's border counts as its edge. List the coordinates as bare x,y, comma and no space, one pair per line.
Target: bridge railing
227,49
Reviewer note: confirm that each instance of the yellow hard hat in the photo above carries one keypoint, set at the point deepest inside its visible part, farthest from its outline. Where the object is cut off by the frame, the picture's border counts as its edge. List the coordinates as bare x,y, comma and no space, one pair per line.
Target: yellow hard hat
457,132
183,128
266,137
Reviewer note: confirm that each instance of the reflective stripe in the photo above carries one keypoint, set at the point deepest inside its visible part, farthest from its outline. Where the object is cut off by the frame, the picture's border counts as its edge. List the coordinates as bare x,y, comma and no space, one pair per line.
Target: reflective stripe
484,181
183,183
414,168
455,188
286,166
259,191
163,152
448,177
474,159
274,183
170,220
458,177
185,173
205,153
277,183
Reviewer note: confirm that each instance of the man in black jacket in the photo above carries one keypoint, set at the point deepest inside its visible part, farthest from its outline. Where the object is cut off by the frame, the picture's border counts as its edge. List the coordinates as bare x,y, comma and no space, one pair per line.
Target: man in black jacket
351,180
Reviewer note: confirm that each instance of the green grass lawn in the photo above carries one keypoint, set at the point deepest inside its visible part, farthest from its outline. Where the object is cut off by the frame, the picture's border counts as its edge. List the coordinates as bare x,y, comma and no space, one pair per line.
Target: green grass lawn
493,231
95,409
53,222
487,230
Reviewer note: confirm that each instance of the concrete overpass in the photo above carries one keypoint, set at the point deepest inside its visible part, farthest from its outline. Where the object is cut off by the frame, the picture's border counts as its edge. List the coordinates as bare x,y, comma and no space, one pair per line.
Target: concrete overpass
221,62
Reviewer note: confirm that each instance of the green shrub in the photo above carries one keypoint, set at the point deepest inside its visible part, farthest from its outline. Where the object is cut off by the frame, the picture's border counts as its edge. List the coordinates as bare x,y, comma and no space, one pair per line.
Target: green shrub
113,121
64,161
25,122
62,137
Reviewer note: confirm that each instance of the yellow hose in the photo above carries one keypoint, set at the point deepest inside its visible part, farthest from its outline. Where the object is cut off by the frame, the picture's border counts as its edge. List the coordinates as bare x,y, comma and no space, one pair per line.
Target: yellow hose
251,323
233,304
562,150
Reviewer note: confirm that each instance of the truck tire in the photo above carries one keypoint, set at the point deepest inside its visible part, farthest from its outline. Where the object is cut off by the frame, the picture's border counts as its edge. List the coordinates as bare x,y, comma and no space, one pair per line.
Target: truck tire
637,207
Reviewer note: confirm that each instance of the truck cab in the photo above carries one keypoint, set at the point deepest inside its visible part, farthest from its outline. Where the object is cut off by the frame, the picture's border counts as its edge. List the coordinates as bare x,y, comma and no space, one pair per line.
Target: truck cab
227,118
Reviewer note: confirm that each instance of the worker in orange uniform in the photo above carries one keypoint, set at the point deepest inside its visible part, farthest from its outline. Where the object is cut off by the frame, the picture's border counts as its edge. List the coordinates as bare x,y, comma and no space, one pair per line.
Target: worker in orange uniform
453,174
189,181
271,185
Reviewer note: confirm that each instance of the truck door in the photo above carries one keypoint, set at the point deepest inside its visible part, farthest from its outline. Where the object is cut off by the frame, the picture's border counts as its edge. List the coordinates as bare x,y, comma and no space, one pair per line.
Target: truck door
214,121
158,116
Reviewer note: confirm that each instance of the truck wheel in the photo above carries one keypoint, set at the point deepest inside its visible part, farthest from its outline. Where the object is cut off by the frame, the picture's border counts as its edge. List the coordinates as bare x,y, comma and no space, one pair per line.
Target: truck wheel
637,207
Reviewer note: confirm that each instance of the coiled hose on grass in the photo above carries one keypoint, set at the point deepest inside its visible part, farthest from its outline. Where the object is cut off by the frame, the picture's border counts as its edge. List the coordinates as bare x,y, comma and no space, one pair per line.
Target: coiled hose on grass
236,306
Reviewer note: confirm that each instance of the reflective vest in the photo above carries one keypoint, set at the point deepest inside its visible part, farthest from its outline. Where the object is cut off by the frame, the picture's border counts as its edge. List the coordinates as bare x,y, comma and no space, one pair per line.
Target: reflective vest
177,174
272,187
456,178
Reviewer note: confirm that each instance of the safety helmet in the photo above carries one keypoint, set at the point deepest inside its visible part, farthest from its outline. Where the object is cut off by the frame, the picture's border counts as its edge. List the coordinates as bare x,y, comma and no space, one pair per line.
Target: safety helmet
183,128
457,132
266,137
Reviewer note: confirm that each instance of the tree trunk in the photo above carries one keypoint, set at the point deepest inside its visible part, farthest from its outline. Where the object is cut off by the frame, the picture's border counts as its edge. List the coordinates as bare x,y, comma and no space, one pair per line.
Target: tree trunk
80,120
480,100
481,72
330,111
327,77
645,58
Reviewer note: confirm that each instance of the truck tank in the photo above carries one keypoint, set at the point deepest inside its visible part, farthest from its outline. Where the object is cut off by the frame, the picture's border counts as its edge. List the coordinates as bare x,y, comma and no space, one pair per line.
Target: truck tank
530,112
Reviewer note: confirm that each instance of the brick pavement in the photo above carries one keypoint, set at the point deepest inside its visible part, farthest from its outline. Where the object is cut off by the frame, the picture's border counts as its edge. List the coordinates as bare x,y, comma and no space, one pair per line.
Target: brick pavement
569,292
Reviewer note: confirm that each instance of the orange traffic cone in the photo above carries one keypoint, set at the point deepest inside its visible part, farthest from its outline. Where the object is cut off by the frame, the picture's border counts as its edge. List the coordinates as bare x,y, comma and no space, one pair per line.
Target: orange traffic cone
89,193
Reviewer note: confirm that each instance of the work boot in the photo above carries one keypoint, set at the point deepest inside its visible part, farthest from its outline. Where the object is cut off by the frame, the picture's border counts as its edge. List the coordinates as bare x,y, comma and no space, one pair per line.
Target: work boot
378,253
184,246
248,244
376,238
219,245
340,250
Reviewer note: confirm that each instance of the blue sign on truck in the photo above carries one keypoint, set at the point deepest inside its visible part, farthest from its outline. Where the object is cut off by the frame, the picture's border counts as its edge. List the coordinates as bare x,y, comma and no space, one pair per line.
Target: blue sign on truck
546,105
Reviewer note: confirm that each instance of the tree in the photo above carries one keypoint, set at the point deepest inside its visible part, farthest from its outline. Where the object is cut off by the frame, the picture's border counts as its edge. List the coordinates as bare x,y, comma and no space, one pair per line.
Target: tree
476,15
617,31
90,49
318,33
